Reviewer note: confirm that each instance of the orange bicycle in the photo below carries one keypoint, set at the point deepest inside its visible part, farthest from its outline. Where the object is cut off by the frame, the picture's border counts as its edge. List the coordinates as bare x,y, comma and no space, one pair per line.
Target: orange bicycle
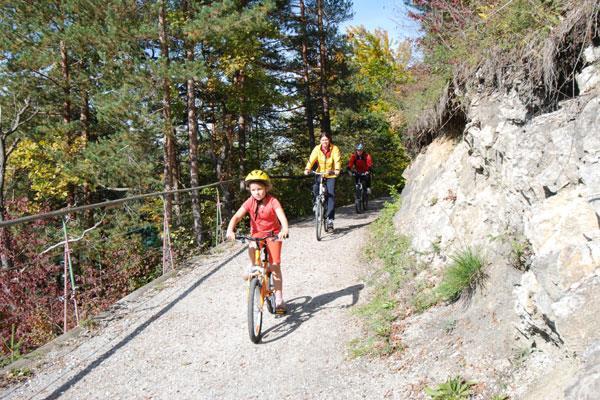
261,289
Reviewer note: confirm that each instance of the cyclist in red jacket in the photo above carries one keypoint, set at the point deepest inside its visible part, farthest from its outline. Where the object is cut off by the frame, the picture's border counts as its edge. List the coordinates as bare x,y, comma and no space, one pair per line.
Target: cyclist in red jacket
361,161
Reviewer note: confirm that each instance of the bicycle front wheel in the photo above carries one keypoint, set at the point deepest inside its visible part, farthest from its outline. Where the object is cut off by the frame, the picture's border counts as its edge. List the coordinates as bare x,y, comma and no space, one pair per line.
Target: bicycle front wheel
255,310
358,201
365,200
319,220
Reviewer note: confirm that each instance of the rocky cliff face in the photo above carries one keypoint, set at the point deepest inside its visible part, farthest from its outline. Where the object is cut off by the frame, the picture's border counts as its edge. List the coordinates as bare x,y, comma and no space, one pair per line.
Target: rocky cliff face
525,192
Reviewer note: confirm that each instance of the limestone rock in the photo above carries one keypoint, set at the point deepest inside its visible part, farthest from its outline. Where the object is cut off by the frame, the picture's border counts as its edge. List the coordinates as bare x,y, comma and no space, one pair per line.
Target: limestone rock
520,181
588,79
591,54
586,384
557,229
534,308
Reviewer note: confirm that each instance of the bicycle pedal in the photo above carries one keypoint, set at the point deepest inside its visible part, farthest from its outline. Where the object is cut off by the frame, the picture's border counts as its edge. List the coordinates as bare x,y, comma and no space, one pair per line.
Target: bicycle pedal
280,310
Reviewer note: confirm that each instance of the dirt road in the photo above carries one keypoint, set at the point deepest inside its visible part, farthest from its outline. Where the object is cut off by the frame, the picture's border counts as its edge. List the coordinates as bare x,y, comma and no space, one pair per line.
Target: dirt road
187,338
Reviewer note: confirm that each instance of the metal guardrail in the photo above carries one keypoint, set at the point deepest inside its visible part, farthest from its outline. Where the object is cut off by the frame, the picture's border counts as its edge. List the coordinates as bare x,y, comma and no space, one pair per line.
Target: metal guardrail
110,203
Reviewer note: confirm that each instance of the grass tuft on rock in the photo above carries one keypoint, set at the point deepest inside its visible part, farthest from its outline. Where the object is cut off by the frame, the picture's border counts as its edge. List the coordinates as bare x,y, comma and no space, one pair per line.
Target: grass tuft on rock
463,276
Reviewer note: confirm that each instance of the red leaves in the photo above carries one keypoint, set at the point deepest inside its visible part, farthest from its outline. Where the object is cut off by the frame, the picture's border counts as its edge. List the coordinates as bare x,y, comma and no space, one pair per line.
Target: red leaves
31,290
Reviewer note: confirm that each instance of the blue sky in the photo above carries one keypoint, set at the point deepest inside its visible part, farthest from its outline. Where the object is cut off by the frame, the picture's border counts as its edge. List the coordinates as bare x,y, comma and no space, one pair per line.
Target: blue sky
387,14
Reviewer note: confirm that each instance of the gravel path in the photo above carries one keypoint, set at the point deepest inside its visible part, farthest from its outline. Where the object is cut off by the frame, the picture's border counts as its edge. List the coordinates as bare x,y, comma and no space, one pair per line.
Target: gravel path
187,338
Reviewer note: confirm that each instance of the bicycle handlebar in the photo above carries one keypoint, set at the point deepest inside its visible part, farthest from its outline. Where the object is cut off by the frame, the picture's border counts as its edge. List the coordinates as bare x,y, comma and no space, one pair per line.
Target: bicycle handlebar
244,238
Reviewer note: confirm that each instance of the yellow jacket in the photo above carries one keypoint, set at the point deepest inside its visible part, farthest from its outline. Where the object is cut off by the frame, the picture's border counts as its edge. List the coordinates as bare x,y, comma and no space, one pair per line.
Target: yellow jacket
334,161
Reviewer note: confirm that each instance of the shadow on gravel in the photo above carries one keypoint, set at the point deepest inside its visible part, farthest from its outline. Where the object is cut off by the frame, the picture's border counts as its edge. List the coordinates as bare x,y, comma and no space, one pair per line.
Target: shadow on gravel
301,309
340,232
347,212
58,392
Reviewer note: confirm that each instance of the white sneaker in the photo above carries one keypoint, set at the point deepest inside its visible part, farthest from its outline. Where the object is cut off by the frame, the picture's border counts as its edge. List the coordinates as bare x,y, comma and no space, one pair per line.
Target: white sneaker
368,190
329,225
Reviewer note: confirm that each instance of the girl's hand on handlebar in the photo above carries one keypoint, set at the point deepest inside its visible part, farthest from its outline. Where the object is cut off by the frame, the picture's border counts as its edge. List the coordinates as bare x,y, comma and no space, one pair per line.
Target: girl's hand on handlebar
306,171
283,234
230,235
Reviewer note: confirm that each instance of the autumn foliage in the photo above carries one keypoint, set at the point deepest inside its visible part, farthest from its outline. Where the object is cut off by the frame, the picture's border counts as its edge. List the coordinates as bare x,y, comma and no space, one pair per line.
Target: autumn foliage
107,266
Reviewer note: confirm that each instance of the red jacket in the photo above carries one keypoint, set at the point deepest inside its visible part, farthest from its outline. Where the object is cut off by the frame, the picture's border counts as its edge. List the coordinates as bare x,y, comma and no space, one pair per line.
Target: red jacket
362,163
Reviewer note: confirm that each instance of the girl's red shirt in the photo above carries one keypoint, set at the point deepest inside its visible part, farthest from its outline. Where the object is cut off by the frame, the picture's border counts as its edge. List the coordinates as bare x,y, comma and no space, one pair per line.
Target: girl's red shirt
263,219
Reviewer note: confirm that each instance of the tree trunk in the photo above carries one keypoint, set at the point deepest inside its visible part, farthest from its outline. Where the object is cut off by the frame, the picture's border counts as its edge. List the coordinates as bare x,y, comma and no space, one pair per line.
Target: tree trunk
308,103
325,120
4,233
193,146
64,64
221,141
242,124
229,122
66,110
242,130
84,118
169,146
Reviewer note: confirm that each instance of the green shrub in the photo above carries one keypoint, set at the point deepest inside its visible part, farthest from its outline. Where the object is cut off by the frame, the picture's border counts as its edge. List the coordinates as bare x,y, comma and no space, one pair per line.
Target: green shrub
463,276
453,389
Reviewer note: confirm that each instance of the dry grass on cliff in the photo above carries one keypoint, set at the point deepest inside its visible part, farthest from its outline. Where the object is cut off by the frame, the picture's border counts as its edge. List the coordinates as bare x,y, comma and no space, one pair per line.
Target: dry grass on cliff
540,67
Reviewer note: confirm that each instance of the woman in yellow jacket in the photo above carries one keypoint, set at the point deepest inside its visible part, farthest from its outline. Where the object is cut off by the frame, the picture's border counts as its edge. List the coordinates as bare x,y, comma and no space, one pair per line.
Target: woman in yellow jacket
327,155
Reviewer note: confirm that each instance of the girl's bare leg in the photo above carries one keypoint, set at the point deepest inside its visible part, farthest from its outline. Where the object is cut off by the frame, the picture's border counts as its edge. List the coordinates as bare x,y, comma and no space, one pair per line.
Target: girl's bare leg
246,272
278,282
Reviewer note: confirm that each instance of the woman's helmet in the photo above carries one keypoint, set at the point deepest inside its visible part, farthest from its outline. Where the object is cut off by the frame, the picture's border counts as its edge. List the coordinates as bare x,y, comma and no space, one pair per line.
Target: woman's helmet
360,147
258,176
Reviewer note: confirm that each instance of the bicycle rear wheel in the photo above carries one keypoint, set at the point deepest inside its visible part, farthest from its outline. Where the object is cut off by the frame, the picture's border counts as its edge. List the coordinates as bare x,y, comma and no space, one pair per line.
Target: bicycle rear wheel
254,310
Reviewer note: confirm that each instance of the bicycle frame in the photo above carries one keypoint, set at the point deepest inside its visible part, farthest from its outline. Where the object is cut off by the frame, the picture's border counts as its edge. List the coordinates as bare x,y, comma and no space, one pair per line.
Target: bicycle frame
322,198
260,276
321,204
261,266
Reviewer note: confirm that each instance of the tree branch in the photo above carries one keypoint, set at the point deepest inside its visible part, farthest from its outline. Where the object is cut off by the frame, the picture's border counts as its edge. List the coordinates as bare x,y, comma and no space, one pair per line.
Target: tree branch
12,147
17,121
72,240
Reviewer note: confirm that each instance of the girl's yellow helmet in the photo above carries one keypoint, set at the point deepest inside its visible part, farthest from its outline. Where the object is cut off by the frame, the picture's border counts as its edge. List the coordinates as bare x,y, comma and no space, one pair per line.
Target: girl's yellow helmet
258,176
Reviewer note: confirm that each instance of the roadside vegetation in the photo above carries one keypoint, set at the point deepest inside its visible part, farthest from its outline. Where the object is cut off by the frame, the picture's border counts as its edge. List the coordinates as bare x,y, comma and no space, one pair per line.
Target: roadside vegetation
388,253
401,286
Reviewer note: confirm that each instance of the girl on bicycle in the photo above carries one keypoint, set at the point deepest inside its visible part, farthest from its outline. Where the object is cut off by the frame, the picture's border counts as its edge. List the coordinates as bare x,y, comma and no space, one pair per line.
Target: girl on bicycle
266,217
327,155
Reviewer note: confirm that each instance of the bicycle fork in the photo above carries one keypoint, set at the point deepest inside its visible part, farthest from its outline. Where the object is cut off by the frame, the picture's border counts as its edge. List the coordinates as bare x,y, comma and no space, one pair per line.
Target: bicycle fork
263,274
